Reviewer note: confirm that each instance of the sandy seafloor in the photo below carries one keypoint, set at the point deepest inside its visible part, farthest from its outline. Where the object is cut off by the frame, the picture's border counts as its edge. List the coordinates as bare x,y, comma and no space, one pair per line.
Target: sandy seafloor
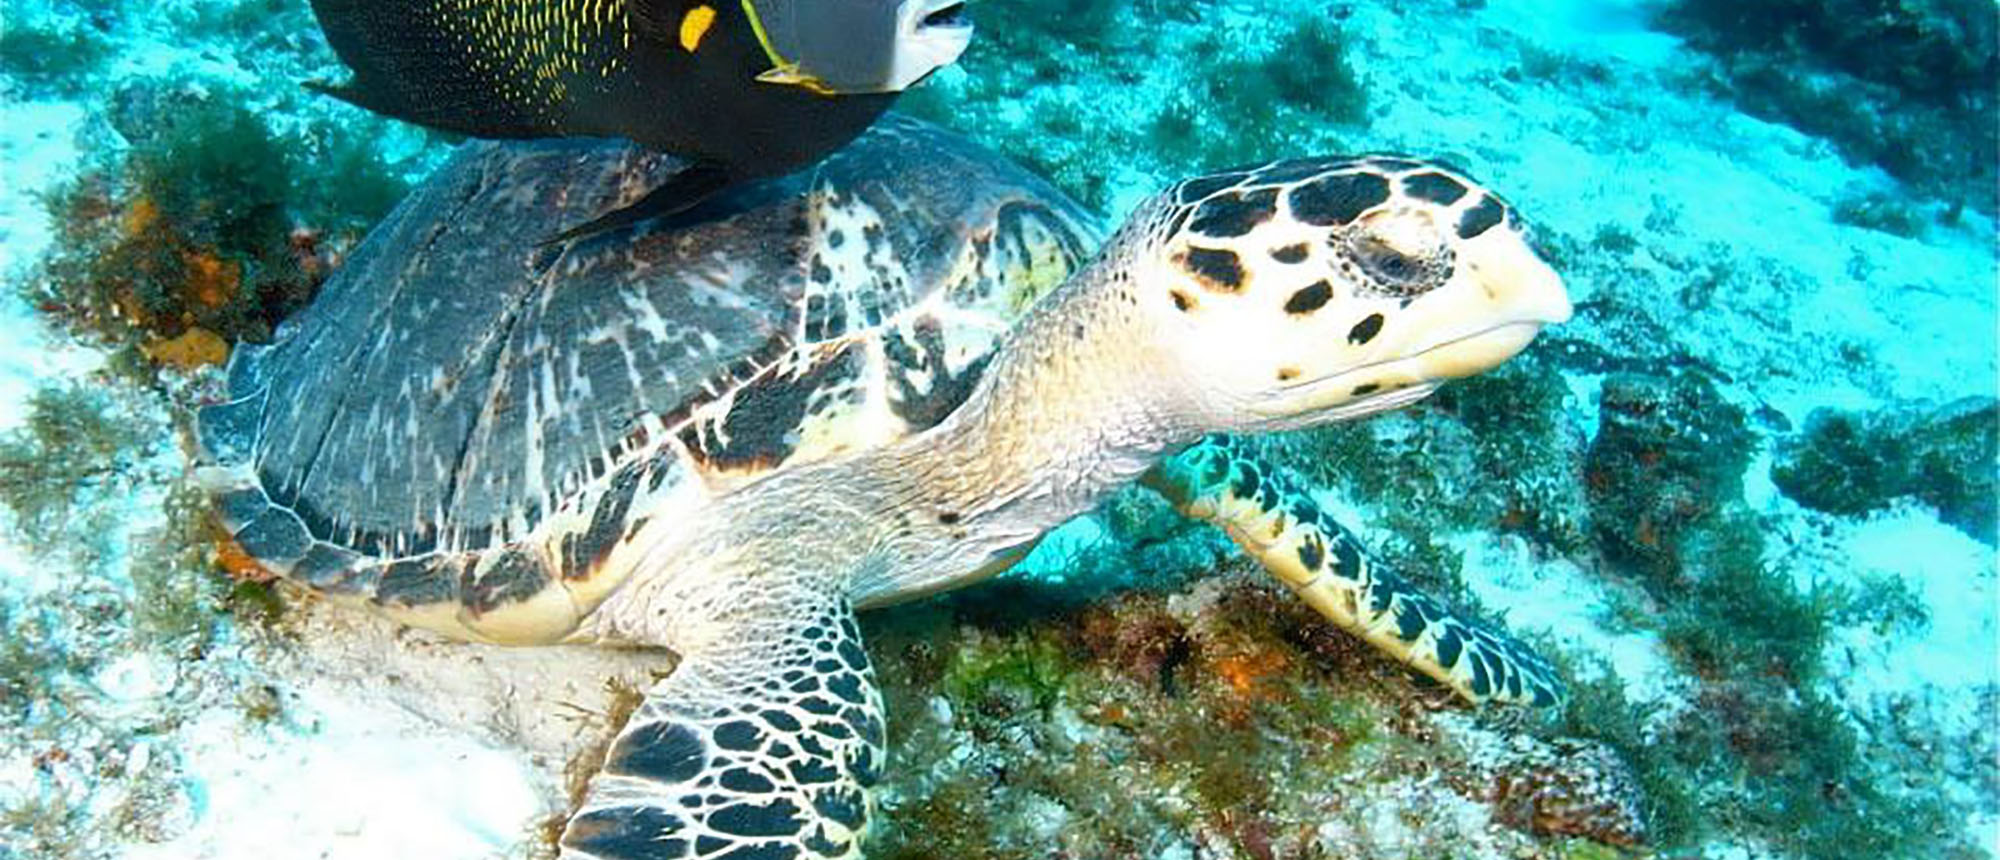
352,773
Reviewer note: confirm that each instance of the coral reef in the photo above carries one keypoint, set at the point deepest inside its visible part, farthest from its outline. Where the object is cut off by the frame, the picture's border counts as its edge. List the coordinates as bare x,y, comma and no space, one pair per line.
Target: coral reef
1668,454
1224,719
210,229
1890,81
1852,463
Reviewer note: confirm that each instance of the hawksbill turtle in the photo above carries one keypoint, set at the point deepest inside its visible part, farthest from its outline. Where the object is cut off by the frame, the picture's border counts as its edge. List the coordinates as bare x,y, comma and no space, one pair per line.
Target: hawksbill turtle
881,379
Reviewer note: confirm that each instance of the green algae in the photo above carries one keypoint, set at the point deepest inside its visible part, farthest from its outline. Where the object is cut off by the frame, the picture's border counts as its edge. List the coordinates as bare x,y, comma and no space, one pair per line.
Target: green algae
77,444
52,59
178,594
1764,752
1027,725
1852,464
209,229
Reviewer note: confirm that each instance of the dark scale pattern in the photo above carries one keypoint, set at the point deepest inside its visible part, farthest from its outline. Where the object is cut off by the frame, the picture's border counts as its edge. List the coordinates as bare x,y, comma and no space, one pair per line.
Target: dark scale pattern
275,535
1234,213
418,581
1196,189
731,756
923,387
1483,216
1434,187
400,415
330,568
1487,662
1217,269
1337,199
760,429
1365,330
634,832
1309,299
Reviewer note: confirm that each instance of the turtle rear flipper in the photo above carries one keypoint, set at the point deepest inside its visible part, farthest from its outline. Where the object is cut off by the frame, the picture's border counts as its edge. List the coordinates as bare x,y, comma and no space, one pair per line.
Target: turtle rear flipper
1267,511
766,741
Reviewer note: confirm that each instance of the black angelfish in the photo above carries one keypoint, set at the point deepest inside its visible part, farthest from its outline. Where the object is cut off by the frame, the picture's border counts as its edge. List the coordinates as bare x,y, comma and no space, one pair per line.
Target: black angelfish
743,89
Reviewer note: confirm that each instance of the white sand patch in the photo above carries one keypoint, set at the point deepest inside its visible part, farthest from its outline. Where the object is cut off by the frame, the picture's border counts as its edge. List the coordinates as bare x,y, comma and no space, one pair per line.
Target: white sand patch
344,779
1554,596
1954,575
1936,685
37,147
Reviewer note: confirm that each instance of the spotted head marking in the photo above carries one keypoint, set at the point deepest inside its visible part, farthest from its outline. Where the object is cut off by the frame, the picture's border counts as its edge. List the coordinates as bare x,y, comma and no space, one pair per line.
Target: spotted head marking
1315,289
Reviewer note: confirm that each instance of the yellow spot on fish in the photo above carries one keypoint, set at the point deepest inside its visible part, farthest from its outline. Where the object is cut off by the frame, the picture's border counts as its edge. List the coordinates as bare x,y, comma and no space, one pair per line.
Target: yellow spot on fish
695,25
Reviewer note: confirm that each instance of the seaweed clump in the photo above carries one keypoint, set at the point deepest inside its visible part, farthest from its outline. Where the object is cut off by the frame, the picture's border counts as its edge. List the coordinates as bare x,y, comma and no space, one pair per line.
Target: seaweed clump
51,57
91,659
1669,453
1764,751
1906,84
209,230
1851,463
75,445
1226,719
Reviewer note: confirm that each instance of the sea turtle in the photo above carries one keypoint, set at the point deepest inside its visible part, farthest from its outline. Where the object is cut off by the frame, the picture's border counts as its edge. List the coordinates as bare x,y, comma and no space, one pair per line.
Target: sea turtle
883,378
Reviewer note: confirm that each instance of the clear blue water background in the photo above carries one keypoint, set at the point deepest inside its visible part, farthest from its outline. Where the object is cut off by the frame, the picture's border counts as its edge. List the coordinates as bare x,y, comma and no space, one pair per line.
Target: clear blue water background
1792,202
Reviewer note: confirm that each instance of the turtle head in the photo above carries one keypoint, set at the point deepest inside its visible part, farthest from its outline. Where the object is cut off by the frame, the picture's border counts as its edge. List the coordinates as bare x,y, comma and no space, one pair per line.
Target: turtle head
1308,291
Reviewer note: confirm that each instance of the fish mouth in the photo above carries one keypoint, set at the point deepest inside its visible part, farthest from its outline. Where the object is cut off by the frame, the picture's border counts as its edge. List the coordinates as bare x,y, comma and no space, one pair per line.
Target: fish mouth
948,15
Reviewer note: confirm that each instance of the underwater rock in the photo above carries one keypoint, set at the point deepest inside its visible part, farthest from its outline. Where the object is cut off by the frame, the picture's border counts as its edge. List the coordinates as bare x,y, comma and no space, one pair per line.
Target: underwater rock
1886,80
1853,463
1669,453
1223,719
1559,787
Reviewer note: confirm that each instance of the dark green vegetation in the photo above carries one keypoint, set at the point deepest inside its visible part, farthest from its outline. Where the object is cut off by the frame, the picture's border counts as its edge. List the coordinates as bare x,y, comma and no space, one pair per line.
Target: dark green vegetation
1653,502
52,58
1764,748
208,230
77,445
1852,463
1028,724
1669,453
1288,84
1907,84
111,590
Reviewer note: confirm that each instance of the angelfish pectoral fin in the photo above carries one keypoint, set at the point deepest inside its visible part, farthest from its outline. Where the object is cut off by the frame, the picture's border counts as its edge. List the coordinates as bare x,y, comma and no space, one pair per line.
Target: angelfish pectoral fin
685,190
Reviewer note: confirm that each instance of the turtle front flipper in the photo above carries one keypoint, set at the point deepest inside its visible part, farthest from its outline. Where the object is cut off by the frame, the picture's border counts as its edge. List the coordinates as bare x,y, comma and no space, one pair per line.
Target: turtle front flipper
766,741
1265,508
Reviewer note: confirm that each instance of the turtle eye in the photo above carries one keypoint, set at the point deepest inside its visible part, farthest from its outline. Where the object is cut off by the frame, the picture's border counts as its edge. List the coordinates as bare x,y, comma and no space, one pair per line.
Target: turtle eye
1388,265
1396,255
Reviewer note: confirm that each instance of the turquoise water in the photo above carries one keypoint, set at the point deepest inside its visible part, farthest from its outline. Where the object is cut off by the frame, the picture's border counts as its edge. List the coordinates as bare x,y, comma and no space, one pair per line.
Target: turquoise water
1743,499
